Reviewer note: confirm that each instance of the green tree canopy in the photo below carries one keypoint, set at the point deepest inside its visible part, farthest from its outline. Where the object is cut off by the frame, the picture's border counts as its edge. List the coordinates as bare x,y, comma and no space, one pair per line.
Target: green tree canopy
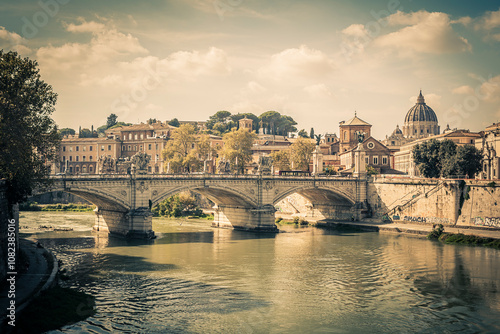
281,160
311,134
278,124
445,159
179,153
238,148
301,153
174,122
85,133
66,131
303,133
112,119
28,135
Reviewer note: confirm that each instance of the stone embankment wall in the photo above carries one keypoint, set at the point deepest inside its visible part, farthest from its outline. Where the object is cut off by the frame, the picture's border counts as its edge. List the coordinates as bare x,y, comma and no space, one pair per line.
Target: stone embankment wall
433,201
481,204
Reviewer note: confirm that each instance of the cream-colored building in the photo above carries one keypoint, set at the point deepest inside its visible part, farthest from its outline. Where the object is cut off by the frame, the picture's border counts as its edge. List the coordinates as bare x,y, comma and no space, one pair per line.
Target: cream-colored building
489,145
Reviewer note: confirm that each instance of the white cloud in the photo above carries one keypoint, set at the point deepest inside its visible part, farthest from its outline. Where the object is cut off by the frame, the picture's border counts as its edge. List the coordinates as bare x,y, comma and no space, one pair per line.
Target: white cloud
425,32
12,41
84,26
254,87
318,91
105,45
490,90
355,30
489,21
463,90
298,63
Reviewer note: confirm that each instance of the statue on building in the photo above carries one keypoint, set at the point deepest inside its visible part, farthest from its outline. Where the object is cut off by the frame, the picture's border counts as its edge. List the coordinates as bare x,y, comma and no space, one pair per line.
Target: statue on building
107,165
141,160
265,165
223,166
361,136
318,139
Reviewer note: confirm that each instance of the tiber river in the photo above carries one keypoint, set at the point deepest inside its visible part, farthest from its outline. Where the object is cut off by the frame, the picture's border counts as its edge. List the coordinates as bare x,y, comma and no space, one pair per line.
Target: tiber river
196,279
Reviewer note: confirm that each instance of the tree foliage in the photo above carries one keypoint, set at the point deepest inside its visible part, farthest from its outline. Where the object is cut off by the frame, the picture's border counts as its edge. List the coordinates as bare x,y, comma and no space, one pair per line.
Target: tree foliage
301,153
277,124
238,148
303,134
85,133
66,131
311,134
179,153
177,205
174,122
445,159
255,120
111,120
28,135
281,160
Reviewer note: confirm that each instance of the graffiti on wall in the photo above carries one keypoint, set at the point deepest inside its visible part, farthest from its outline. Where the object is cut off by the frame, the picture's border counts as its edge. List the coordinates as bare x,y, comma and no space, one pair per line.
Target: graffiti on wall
486,221
430,220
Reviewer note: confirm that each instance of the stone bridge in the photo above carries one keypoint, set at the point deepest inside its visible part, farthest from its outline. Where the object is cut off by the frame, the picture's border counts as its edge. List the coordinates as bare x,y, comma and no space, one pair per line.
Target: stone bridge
243,202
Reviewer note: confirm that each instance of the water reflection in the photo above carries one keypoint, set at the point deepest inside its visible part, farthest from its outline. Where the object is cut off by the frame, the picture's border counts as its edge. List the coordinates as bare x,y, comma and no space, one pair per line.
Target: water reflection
197,279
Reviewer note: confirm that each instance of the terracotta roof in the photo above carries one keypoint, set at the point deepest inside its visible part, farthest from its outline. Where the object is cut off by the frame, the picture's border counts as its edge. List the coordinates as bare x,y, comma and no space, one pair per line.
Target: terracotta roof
355,121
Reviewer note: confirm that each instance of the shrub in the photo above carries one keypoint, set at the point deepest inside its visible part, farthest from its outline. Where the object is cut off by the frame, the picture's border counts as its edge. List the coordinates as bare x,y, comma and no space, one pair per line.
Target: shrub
436,232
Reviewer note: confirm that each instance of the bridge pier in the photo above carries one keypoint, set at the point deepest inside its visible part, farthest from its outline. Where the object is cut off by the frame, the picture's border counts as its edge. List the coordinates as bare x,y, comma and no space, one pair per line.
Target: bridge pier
329,211
245,218
136,223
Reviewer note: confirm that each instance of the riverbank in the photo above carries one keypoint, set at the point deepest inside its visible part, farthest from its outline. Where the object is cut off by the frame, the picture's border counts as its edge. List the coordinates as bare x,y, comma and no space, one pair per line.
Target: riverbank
418,230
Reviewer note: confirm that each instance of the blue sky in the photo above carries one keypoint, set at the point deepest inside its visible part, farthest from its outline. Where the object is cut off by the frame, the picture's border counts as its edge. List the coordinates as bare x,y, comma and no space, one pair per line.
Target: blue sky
317,61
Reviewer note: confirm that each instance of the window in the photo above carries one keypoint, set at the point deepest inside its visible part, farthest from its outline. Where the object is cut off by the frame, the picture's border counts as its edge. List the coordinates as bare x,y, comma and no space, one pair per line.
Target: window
83,158
123,148
140,148
83,148
77,169
384,160
149,147
135,137
71,148
142,135
109,147
135,147
124,137
90,158
64,148
157,146
102,147
129,136
64,159
91,169
71,169
84,169
421,130
90,148
77,158
393,142
366,160
345,135
70,158
375,160
77,148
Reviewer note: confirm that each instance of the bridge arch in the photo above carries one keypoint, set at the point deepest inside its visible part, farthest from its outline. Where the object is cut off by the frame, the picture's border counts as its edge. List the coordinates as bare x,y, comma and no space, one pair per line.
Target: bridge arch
100,199
317,194
220,195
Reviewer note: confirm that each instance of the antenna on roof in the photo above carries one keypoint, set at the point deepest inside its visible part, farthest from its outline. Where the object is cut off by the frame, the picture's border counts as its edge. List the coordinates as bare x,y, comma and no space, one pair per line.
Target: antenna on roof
355,113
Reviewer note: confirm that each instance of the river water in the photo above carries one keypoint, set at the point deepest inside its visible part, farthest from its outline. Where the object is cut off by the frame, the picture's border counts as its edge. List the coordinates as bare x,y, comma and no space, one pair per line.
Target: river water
196,279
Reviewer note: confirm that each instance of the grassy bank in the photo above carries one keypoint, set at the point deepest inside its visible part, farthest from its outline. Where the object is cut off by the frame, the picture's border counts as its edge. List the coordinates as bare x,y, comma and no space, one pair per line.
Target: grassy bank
55,308
438,233
30,206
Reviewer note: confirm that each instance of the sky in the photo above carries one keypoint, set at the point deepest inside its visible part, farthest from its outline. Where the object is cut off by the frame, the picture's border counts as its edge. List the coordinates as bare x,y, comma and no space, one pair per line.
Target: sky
319,61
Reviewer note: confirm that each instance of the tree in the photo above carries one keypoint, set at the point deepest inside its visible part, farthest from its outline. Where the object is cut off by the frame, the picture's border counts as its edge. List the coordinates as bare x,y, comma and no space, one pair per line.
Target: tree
444,158
302,133
426,158
469,160
66,131
85,133
278,124
301,154
176,205
151,121
179,151
112,119
174,122
281,160
220,122
28,135
204,149
238,148
311,134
